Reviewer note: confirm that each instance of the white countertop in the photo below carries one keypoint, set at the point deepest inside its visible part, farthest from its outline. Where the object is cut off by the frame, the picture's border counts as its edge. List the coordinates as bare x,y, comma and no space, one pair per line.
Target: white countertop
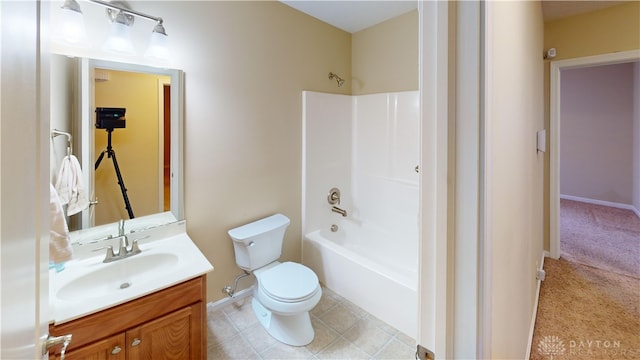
87,285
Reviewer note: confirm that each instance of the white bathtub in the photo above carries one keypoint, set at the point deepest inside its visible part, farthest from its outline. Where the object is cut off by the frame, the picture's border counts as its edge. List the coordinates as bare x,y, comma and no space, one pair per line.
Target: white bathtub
375,270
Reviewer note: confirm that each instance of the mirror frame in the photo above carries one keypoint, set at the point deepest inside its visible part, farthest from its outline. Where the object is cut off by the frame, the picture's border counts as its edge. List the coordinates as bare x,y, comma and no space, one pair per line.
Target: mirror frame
85,125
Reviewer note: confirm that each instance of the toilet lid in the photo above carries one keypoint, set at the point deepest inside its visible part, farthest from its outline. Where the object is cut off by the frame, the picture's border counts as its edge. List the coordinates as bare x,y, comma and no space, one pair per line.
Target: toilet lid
289,281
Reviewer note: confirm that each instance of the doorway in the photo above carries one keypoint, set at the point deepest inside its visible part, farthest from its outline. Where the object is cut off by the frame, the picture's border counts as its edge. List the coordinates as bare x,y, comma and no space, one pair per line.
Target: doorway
554,134
166,146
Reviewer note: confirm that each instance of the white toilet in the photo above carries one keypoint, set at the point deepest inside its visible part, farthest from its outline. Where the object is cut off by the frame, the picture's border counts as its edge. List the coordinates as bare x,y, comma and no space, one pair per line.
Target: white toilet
285,292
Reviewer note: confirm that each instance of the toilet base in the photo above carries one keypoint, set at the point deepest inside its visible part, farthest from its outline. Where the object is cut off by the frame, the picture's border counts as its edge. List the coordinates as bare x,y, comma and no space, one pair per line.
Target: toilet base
295,329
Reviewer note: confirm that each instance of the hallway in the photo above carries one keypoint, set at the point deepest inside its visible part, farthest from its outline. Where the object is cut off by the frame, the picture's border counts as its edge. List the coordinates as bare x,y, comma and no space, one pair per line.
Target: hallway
589,305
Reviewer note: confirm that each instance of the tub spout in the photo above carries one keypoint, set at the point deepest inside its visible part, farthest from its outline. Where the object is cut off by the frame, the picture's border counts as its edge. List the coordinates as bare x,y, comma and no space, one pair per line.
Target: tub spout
339,211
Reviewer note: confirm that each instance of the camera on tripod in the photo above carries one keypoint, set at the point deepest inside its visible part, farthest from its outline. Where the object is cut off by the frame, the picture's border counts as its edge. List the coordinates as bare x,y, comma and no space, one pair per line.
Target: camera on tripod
110,118
113,118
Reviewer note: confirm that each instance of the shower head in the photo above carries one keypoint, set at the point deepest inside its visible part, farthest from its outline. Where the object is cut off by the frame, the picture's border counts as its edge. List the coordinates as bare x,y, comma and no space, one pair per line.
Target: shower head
338,79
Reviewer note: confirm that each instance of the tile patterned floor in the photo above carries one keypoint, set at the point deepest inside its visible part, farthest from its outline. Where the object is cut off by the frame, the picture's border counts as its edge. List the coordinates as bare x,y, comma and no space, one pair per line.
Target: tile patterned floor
342,331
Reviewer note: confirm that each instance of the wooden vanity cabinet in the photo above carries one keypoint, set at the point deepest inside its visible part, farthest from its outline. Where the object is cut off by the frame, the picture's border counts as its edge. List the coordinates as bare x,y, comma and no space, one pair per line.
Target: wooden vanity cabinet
169,324
110,348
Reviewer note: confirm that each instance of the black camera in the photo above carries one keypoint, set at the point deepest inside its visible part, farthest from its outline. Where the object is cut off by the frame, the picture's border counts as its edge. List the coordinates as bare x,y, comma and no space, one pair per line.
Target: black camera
110,118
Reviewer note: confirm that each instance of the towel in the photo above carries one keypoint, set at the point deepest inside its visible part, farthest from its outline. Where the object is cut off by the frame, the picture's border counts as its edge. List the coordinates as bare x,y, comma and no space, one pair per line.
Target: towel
59,248
70,186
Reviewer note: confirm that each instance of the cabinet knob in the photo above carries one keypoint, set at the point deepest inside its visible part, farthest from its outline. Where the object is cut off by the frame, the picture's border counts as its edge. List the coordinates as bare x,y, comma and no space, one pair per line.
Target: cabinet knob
116,350
136,342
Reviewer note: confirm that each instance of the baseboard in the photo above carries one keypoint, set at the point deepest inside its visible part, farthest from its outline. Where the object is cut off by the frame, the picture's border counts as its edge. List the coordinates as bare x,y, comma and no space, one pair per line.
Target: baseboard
217,305
535,307
601,202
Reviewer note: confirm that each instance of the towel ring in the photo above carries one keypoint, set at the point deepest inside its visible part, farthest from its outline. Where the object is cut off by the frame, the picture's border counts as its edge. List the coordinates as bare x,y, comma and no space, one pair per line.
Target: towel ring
56,132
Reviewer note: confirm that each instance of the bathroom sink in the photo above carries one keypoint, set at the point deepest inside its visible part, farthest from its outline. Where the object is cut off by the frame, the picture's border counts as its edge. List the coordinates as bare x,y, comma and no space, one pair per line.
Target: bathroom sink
121,275
87,285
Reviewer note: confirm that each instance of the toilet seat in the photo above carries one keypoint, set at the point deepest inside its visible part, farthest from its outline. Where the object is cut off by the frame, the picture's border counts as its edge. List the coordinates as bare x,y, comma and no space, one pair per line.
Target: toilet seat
289,282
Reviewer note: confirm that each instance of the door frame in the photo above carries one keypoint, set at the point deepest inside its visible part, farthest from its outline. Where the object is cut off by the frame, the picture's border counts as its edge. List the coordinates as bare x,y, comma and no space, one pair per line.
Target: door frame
161,143
556,68
435,318
454,292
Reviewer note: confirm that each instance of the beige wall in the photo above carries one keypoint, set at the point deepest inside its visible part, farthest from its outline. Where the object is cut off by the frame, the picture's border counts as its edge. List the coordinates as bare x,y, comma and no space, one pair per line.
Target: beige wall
514,170
246,64
135,146
600,32
596,133
385,56
606,31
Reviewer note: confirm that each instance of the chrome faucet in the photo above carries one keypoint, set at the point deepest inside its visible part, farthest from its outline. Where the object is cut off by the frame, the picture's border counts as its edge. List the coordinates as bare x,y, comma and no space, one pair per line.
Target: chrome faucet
121,227
125,250
334,198
342,212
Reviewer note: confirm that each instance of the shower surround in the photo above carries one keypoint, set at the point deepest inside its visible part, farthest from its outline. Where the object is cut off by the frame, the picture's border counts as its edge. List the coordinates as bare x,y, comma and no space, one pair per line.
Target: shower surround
367,146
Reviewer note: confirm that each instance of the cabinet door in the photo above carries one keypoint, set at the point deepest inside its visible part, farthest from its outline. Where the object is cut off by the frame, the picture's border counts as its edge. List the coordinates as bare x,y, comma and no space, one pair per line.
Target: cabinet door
176,336
111,348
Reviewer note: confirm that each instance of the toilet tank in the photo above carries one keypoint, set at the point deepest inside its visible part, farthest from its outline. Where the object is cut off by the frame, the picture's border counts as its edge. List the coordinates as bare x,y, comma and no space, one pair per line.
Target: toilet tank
259,243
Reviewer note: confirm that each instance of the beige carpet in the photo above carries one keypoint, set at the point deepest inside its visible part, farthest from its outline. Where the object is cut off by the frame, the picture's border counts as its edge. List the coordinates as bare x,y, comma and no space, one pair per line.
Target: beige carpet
600,236
589,306
586,313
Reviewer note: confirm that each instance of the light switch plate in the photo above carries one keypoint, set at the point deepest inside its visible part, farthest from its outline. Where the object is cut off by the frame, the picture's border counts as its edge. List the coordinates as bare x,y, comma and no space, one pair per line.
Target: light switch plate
542,140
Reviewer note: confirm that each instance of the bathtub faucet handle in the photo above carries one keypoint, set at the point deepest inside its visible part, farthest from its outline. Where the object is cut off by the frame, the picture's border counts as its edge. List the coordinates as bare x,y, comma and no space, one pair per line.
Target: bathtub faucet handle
334,196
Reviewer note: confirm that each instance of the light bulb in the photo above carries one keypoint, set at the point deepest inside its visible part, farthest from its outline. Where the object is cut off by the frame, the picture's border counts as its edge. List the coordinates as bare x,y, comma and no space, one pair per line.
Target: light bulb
119,40
158,45
71,30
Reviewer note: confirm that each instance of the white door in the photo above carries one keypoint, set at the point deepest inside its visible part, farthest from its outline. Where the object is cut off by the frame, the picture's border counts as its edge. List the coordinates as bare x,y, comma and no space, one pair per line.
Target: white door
24,191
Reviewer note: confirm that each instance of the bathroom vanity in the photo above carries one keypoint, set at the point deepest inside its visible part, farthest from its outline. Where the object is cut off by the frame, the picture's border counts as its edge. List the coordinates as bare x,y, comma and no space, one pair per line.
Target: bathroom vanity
151,305
146,305
168,324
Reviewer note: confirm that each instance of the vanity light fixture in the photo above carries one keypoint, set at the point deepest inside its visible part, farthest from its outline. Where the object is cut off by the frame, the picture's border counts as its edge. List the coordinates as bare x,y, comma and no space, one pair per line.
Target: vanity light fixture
71,30
122,18
119,40
158,44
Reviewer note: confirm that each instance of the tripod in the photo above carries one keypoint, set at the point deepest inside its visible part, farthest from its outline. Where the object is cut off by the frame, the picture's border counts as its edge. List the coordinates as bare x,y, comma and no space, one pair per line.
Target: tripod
112,154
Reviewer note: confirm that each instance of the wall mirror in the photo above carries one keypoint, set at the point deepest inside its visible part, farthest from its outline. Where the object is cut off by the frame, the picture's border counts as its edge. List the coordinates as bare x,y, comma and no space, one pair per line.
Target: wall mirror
130,169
